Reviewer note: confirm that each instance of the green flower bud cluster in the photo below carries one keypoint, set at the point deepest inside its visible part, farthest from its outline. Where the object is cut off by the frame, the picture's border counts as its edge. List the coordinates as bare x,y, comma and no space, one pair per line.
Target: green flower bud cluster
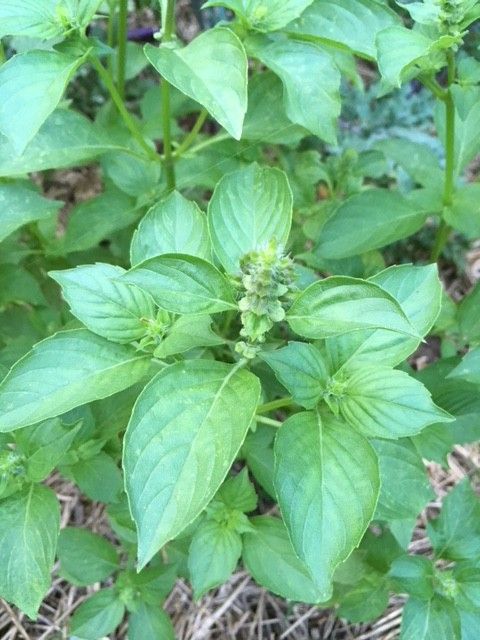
450,15
267,281
155,329
12,471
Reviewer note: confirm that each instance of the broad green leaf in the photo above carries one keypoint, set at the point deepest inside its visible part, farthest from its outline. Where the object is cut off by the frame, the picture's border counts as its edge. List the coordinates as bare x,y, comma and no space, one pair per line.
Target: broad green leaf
136,176
455,534
44,445
150,621
106,304
366,600
213,555
249,208
410,286
469,368
387,403
436,619
187,332
81,12
467,579
399,49
186,429
20,204
470,623
301,369
238,493
98,616
183,284
174,225
98,477
269,557
350,24
266,119
327,483
263,15
199,71
308,103
37,19
18,285
33,78
66,138
417,159
258,452
464,213
91,368
405,489
95,220
413,575
368,220
85,557
341,304
29,525
468,315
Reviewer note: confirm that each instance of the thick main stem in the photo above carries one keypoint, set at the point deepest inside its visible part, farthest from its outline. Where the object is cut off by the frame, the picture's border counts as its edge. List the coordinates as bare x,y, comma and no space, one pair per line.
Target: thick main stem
168,33
122,46
444,229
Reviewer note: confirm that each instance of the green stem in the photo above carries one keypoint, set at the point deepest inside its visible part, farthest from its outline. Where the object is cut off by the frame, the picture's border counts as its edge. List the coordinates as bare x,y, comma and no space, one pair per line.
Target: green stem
434,87
168,33
3,57
190,137
117,100
269,421
111,32
122,46
275,404
220,137
444,229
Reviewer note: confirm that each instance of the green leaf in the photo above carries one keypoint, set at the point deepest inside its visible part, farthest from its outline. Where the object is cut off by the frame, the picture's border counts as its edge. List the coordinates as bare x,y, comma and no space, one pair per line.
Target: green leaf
21,205
18,285
66,138
468,315
365,600
327,483
136,176
302,371
81,12
436,619
238,493
98,616
263,15
92,368
413,575
399,49
183,284
269,557
187,332
349,24
106,304
258,452
405,489
39,19
418,160
308,103
455,534
470,623
387,403
341,304
33,78
469,368
464,213
186,429
199,71
368,220
467,580
249,208
213,555
150,621
99,477
85,557
44,445
95,220
29,525
410,286
174,225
